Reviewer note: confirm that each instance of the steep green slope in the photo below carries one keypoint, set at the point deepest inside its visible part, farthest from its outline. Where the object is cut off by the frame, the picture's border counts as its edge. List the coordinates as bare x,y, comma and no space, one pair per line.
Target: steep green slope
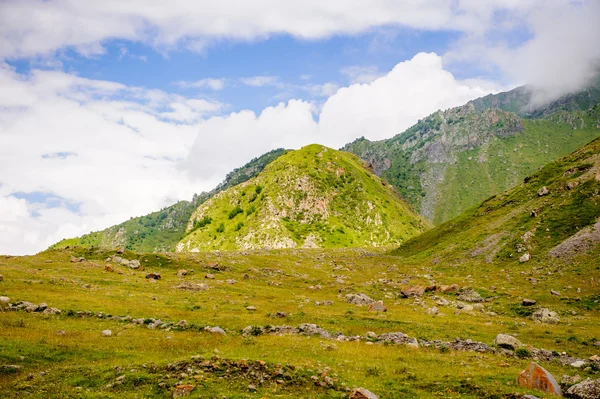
555,213
160,231
312,197
453,159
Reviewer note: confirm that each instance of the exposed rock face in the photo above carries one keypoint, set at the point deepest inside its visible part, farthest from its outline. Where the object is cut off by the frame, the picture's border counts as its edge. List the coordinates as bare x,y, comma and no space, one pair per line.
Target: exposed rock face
536,377
545,315
359,299
507,341
362,393
470,295
588,389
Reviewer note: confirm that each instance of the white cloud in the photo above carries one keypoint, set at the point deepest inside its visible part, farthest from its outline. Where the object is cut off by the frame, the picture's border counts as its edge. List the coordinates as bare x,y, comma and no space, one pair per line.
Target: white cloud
259,81
361,74
210,83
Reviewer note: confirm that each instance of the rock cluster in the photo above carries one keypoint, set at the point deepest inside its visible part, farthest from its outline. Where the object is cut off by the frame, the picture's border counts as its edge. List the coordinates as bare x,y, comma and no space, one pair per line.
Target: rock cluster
132,264
359,299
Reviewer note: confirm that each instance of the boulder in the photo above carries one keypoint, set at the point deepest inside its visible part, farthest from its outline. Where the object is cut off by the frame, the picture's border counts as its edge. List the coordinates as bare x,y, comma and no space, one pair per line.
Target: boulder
106,333
192,287
362,393
528,302
75,259
210,276
555,293
182,273
215,330
120,250
470,295
109,268
251,308
153,276
117,259
524,258
413,292
134,264
377,307
588,389
231,281
543,191
507,341
433,311
51,311
545,315
313,329
359,299
536,377
181,323
448,288
1,278
567,381
4,302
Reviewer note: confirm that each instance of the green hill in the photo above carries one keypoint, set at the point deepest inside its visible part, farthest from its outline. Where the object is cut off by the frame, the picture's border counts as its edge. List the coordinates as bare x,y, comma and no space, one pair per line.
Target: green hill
160,231
452,160
312,197
554,214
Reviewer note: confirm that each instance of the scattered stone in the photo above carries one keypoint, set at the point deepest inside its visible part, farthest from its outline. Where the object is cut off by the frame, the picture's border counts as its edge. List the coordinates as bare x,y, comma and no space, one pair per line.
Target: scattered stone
117,259
133,264
313,329
4,302
588,389
525,258
413,292
543,191
106,333
192,287
1,278
183,390
109,268
252,387
470,295
75,259
536,377
11,368
52,311
545,315
210,276
555,293
153,276
567,380
246,276
432,311
231,281
507,341
61,333
182,273
572,184
377,307
281,315
362,393
250,308
215,330
181,323
528,302
359,299
448,288
577,364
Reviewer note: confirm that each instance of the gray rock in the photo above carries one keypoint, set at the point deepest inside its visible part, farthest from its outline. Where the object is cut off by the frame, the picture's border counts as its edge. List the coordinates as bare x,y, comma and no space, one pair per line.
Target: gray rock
313,329
106,333
567,380
377,307
543,191
433,311
555,293
413,292
134,264
362,393
51,311
545,315
588,389
525,258
4,302
470,295
528,302
359,299
507,341
215,330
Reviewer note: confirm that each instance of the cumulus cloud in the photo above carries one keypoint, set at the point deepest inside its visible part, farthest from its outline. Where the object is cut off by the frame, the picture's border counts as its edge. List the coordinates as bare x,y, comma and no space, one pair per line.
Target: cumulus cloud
361,74
210,83
111,151
259,81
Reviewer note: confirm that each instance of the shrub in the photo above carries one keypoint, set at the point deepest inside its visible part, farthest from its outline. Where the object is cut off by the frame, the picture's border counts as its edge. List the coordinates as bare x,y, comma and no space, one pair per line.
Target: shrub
221,228
522,353
235,211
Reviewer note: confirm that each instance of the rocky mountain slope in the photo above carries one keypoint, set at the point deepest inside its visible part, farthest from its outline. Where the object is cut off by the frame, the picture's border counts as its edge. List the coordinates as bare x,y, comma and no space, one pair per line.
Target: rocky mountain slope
312,197
451,160
162,230
554,214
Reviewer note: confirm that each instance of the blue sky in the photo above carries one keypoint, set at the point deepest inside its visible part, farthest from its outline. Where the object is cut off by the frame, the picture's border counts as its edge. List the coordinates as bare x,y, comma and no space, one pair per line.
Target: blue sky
115,109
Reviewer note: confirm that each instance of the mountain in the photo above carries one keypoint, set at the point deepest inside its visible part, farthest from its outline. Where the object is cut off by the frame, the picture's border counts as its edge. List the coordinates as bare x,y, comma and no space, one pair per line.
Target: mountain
554,213
312,197
162,230
451,160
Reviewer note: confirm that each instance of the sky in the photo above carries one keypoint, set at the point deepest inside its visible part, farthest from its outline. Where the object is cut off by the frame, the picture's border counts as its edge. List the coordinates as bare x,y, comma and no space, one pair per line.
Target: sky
114,109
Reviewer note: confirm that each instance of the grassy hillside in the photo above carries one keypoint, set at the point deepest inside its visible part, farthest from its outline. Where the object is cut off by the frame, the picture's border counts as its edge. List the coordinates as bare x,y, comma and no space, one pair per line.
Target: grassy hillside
454,159
563,222
312,197
161,231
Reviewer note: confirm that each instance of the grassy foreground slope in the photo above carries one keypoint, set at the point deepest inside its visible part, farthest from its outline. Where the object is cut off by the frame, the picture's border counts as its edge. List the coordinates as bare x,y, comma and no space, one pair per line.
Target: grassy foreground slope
312,197
554,213
160,231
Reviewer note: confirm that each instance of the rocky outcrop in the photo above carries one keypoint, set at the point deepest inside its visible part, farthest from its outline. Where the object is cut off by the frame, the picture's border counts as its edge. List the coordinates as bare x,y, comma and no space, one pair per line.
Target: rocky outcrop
588,389
507,341
545,315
